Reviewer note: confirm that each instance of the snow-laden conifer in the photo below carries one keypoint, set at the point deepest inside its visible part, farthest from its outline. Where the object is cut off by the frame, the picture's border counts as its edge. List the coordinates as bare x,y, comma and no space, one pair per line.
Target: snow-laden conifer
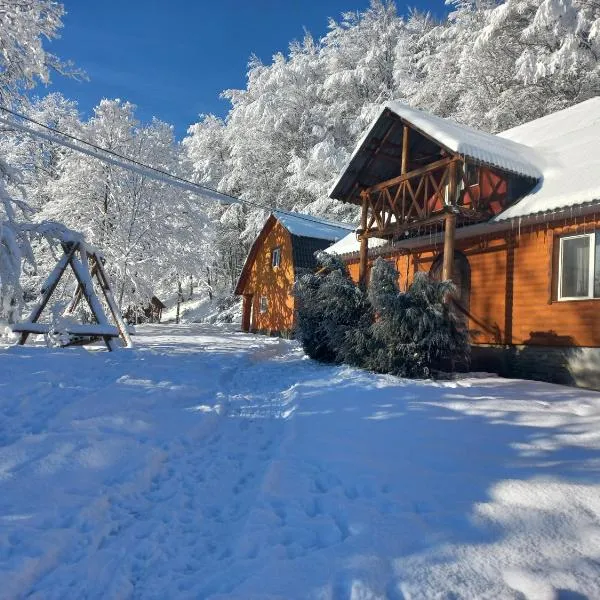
329,306
417,331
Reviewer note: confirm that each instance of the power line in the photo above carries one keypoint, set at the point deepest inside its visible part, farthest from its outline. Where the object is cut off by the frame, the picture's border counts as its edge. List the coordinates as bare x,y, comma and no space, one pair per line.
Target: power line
135,165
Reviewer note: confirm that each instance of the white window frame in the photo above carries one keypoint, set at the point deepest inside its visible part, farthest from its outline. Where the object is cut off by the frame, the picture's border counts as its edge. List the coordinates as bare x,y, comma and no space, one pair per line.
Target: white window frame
276,257
591,266
263,304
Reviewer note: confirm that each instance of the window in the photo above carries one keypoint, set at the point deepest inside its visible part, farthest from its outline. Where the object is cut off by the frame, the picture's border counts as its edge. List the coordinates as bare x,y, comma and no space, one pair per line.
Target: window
264,305
276,257
579,268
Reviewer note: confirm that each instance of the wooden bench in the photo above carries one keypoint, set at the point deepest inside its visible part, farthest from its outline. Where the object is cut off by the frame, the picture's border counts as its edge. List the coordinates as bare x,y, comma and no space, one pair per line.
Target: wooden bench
84,333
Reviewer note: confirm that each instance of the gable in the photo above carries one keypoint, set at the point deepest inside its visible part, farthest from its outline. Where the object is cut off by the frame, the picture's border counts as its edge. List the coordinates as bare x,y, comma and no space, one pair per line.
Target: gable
377,156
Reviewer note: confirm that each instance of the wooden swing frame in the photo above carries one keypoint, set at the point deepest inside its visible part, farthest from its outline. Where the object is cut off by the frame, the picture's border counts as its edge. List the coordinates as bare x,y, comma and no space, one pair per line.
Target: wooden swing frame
86,264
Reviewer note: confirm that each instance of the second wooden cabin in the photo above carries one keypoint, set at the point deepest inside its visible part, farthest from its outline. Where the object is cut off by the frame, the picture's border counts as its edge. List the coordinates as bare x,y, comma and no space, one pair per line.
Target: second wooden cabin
284,249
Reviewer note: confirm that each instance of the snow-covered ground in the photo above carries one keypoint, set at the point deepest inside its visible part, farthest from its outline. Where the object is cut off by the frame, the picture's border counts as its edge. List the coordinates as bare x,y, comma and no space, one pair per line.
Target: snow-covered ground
203,310
207,463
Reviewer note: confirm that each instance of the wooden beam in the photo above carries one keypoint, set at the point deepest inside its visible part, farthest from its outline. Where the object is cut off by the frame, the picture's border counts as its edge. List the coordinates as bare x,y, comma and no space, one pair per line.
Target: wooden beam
77,297
110,300
449,239
398,229
395,230
405,140
81,268
452,183
393,157
434,166
364,243
380,143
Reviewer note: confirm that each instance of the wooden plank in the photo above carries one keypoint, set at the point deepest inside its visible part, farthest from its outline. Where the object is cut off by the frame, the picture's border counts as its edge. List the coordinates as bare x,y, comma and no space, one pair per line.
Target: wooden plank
400,229
91,329
29,327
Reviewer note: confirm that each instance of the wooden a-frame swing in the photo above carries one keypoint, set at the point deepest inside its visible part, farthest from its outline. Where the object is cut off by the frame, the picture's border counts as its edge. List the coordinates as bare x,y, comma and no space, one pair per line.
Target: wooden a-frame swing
86,264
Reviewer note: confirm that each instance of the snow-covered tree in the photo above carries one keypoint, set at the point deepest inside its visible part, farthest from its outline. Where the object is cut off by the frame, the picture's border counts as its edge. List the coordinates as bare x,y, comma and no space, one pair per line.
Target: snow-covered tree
146,228
533,57
329,307
411,334
417,331
23,63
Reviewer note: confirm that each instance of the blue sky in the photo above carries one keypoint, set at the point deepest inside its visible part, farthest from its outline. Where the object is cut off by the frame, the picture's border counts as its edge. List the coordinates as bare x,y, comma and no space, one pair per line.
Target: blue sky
172,59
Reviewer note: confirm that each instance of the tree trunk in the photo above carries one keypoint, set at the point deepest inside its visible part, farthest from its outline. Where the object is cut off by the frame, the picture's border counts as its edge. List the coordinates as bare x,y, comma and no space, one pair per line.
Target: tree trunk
179,300
209,283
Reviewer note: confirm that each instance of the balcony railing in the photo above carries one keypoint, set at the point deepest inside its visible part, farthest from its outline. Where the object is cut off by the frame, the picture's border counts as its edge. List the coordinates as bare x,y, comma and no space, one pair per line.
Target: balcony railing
420,197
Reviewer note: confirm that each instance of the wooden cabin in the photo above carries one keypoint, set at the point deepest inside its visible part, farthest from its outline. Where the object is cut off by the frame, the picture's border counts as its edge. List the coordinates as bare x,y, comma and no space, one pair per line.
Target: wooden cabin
284,250
151,313
513,219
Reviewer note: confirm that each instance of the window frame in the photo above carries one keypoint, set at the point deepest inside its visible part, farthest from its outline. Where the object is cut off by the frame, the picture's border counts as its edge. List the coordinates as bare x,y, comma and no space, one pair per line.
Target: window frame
591,266
263,305
276,252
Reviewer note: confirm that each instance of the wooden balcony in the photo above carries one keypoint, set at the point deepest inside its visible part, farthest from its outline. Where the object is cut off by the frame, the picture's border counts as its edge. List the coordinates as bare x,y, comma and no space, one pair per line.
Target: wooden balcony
420,198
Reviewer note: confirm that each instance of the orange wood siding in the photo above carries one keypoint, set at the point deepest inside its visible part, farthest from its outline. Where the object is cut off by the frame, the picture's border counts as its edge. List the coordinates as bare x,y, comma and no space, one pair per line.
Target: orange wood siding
513,275
274,283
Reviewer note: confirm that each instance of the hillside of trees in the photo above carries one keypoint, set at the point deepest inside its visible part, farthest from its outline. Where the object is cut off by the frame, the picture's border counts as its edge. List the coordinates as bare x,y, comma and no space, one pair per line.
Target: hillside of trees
491,65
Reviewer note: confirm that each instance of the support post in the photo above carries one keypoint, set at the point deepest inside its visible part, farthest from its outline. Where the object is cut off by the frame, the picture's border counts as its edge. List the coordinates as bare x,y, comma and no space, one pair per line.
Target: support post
452,183
364,243
405,141
449,235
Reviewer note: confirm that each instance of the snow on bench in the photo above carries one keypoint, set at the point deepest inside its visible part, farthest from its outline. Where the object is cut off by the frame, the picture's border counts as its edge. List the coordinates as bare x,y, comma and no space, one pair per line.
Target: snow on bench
91,329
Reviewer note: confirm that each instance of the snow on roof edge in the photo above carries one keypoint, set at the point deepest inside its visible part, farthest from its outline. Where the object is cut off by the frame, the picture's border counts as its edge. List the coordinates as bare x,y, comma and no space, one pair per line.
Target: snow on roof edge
487,148
303,225
350,244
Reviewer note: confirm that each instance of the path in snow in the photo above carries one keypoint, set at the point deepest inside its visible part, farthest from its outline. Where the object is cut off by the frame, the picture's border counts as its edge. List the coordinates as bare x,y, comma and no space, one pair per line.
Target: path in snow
211,464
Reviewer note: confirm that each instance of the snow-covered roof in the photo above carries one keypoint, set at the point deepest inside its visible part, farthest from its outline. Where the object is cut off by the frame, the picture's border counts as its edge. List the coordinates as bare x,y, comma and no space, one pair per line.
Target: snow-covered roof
308,226
503,153
561,151
479,146
351,243
567,144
